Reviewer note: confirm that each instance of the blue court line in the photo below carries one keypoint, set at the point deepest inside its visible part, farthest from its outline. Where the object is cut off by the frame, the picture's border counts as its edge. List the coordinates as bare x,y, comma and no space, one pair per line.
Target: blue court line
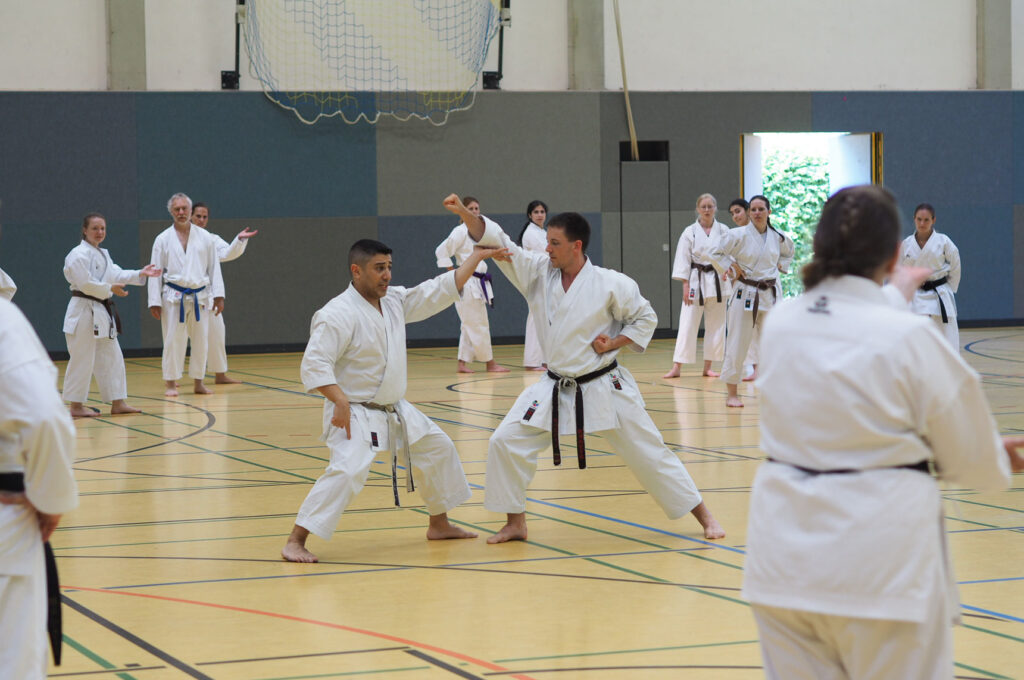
992,613
991,580
969,348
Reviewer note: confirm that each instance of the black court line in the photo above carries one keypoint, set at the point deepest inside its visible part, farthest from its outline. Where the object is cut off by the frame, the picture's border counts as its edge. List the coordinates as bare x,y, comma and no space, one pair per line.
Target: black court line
423,656
302,656
135,640
107,671
210,420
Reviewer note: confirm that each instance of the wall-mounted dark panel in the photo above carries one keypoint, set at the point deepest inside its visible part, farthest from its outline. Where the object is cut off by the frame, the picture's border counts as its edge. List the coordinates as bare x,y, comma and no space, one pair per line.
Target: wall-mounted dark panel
250,158
67,154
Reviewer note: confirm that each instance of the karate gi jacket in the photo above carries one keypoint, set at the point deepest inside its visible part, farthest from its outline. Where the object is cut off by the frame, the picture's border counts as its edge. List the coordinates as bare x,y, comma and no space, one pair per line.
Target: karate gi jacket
761,256
196,267
598,301
693,248
37,439
91,271
459,245
361,350
848,381
943,258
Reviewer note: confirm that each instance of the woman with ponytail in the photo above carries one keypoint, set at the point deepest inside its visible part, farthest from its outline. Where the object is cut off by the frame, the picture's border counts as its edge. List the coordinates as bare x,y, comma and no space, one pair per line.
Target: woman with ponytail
862,403
533,238
755,255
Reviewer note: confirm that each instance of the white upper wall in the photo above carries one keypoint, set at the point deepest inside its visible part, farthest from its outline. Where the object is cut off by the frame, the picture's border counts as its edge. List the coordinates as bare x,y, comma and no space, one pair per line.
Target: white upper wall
669,44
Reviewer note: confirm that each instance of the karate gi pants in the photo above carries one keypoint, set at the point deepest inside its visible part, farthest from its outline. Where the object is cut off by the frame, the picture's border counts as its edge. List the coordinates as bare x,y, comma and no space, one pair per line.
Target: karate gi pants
475,339
801,645
24,650
437,473
177,336
217,353
739,333
93,356
514,447
950,330
533,353
713,312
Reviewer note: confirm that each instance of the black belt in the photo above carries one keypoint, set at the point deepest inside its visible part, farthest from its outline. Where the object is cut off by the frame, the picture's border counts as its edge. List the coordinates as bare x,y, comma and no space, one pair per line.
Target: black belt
921,466
932,285
765,284
108,304
576,383
15,481
704,268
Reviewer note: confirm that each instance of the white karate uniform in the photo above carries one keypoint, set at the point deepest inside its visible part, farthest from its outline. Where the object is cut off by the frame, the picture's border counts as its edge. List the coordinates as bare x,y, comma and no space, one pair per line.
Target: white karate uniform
475,336
692,249
943,258
761,257
7,286
90,332
849,381
195,267
362,350
598,301
217,353
37,439
535,240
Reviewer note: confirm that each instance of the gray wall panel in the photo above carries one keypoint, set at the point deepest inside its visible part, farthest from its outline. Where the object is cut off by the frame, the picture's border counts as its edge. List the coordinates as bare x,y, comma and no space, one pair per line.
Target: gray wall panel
507,150
646,261
1018,258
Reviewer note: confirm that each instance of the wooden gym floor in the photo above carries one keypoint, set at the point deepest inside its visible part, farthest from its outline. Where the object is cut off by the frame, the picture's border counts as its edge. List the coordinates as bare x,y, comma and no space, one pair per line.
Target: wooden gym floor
171,564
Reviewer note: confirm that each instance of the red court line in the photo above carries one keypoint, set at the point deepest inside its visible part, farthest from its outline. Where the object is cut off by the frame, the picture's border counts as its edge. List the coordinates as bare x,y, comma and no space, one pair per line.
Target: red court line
362,631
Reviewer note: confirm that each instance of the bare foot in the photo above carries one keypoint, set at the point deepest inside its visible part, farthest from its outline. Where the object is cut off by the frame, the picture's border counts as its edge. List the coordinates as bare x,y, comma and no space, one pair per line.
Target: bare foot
712,374
201,388
172,388
535,368
119,406
225,379
514,529
441,529
674,373
752,376
80,411
733,402
493,367
712,529
293,551
463,368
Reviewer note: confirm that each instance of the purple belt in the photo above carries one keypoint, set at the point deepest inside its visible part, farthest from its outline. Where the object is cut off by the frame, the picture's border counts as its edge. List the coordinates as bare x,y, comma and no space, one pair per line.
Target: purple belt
484,280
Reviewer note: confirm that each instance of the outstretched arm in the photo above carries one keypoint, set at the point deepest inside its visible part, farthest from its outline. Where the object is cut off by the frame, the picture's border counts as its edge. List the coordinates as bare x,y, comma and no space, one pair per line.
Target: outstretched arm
474,223
466,269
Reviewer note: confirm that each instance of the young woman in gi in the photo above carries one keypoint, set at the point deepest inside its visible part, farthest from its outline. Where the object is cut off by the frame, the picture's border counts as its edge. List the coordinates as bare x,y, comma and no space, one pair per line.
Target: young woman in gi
928,248
91,324
534,238
705,291
847,567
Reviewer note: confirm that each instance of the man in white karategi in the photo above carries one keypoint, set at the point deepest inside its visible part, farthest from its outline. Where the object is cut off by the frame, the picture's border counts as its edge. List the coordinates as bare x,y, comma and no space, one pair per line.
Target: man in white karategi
356,358
586,314
183,297
475,331
217,353
847,567
928,248
37,486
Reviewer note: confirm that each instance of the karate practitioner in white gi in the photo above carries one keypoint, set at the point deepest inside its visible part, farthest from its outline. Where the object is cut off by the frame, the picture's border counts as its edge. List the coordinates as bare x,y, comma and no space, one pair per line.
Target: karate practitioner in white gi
217,353
738,209
181,298
356,358
705,291
847,567
475,333
756,254
90,330
7,286
37,486
928,248
586,314
533,239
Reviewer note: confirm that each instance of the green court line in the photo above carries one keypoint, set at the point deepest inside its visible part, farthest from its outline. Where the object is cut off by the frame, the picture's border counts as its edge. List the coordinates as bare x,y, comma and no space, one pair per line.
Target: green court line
969,521
93,656
983,672
992,632
987,505
627,651
351,673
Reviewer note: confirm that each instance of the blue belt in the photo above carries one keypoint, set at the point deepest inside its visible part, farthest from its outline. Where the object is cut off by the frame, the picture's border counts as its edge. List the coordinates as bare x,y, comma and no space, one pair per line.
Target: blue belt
186,291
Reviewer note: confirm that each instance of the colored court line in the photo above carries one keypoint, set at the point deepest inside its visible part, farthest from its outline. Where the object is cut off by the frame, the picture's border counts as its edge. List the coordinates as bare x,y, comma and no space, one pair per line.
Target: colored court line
326,624
992,613
99,660
969,347
990,674
628,651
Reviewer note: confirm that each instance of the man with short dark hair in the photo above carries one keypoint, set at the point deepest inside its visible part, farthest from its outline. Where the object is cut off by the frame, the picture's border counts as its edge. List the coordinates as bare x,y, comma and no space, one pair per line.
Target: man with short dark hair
356,359
585,315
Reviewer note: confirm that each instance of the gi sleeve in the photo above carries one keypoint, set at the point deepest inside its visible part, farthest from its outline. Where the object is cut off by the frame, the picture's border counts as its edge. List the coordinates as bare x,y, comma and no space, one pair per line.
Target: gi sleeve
952,254
525,267
213,269
787,250
445,251
634,312
76,271
329,337
154,287
226,252
428,298
131,277
722,250
684,256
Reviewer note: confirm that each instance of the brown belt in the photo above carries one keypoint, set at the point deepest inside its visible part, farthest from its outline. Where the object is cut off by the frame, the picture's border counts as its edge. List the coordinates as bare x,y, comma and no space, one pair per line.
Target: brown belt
765,284
704,268
393,430
108,304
